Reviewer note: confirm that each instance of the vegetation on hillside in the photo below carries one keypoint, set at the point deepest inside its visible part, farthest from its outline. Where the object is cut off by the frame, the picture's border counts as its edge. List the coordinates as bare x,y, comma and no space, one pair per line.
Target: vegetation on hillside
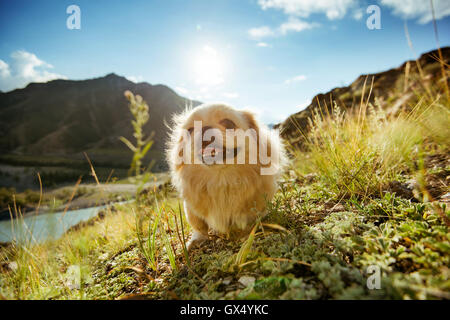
366,195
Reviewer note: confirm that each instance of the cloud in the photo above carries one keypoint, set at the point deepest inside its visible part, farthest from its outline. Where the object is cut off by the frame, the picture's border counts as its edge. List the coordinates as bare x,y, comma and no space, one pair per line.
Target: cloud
333,9
293,24
261,32
263,44
4,70
135,79
230,95
205,96
255,110
296,79
297,25
24,67
182,90
358,14
266,115
418,9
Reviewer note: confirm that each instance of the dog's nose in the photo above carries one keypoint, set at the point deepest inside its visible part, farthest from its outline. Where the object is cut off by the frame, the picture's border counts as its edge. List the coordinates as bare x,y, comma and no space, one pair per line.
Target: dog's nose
207,142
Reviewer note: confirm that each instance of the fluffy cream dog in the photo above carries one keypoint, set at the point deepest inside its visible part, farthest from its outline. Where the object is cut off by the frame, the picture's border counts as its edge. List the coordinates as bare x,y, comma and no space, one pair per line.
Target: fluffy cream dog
224,179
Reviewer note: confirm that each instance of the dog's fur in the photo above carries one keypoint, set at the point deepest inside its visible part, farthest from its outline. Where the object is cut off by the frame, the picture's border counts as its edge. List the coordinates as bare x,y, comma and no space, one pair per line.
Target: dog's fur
223,197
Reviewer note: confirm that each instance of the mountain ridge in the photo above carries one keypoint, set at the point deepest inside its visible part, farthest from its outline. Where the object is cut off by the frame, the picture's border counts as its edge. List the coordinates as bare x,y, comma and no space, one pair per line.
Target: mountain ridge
388,86
68,117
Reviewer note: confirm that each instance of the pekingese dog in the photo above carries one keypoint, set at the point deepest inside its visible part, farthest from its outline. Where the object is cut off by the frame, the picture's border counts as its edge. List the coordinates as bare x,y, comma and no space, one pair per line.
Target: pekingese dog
226,166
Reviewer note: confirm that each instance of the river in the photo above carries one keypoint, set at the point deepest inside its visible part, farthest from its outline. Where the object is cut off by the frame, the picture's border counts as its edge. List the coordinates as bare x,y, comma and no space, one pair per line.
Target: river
44,227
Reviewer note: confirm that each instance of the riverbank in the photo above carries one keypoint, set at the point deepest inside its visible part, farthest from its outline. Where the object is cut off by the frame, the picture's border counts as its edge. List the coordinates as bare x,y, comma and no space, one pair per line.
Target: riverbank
72,197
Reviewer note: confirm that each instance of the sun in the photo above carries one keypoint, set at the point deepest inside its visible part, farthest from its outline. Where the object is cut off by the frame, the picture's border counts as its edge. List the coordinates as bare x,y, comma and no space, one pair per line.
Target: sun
209,67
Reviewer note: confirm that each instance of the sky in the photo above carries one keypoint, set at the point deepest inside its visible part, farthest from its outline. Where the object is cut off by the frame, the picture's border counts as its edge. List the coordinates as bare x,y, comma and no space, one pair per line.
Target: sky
268,56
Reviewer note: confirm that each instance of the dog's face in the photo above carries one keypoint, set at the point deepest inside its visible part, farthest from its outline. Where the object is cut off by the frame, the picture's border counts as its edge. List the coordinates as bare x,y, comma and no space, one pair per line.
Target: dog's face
210,131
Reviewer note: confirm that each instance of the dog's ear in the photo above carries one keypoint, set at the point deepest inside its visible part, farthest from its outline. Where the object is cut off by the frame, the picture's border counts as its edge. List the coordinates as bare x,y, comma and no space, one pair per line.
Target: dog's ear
251,121
266,144
253,124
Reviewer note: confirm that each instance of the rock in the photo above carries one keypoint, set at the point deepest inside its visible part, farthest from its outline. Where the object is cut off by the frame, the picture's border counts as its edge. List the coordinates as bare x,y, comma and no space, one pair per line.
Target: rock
9,266
446,197
292,174
103,256
335,208
404,190
246,280
311,177
73,277
226,281
13,266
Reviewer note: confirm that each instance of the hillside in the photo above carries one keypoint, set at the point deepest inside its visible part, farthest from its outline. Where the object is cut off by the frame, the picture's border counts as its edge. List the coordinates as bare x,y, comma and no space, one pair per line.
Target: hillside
392,89
61,119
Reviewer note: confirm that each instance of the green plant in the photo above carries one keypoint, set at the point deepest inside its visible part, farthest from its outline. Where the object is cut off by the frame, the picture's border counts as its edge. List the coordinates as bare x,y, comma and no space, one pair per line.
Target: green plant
148,246
139,110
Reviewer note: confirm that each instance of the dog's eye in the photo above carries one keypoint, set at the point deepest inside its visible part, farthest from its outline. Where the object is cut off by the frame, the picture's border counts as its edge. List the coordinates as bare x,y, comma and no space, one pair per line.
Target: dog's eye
190,130
228,124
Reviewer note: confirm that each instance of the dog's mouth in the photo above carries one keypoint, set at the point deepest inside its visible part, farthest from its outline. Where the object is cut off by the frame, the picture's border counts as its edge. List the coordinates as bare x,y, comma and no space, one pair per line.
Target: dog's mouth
218,155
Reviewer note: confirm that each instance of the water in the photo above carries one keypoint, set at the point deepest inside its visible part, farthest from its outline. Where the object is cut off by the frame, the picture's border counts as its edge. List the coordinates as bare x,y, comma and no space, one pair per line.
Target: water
44,226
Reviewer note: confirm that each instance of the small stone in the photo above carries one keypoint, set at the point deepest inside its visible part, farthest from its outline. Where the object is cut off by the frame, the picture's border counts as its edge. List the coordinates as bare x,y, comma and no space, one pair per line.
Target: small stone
311,177
404,190
13,266
446,197
73,277
246,280
103,256
226,281
337,208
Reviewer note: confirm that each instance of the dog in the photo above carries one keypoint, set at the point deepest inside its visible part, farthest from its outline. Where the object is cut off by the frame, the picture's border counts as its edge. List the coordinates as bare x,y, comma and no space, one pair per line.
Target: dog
224,188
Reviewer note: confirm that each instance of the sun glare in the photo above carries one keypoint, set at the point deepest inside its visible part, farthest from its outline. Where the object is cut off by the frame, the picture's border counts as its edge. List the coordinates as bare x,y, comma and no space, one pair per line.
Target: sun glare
209,67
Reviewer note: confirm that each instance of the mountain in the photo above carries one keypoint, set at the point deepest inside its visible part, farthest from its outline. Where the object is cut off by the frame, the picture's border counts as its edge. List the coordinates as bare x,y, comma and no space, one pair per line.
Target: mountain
64,118
388,87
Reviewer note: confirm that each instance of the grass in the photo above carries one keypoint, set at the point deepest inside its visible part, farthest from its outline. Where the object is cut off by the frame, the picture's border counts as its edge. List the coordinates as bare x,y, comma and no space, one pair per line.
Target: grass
356,154
369,190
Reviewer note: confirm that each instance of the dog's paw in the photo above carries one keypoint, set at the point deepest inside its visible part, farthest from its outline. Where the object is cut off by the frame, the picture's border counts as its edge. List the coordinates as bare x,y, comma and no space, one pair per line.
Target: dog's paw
196,239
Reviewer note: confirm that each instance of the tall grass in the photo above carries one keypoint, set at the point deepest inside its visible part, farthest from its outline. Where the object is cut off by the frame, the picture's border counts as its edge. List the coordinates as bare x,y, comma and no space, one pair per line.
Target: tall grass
157,231
148,246
358,155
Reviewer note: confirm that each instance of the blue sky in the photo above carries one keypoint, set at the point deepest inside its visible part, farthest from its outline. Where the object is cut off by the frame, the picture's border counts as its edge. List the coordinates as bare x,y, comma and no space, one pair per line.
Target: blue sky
269,56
